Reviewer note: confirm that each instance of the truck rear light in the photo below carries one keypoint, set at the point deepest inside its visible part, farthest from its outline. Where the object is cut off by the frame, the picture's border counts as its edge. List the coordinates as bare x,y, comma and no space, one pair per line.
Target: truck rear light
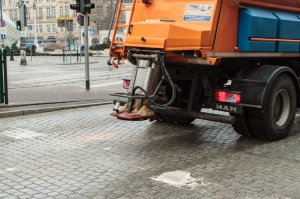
221,96
126,83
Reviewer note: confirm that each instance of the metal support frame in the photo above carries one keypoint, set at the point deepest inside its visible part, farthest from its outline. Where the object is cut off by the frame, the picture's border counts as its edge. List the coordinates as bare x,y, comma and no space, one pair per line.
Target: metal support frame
86,47
3,78
22,39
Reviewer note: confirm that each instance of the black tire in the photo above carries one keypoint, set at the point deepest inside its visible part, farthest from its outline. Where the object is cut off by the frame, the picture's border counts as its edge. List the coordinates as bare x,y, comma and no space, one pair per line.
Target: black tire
276,120
241,123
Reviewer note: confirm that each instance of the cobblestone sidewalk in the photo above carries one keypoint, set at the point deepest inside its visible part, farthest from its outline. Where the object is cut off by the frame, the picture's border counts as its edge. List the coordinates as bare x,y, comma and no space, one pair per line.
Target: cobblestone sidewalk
85,153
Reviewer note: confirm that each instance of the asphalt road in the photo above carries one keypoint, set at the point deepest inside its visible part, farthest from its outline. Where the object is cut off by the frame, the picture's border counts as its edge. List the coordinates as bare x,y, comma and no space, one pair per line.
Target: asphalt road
49,79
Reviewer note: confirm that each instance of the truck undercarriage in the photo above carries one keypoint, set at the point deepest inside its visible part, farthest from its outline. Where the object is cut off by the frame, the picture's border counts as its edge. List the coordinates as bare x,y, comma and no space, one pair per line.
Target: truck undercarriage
256,81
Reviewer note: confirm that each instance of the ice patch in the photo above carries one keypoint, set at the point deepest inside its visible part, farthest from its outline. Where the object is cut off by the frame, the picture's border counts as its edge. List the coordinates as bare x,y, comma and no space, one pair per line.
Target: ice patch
18,133
10,169
181,179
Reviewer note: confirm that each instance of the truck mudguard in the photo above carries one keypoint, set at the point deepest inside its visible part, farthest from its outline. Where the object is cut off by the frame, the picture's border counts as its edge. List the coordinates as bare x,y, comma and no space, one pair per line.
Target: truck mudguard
254,82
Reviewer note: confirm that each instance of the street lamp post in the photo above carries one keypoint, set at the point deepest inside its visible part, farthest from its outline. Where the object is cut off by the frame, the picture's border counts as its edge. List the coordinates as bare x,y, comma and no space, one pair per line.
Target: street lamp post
36,43
65,22
22,13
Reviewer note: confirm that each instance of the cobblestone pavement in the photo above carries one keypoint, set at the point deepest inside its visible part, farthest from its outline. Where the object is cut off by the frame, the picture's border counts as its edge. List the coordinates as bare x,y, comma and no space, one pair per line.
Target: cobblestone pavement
85,153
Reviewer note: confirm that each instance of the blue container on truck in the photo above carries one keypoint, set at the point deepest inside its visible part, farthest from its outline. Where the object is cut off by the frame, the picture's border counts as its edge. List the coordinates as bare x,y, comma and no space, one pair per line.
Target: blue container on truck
288,28
256,23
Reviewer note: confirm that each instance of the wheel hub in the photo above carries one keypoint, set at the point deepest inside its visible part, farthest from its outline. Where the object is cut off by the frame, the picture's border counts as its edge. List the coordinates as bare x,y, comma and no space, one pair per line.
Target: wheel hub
281,109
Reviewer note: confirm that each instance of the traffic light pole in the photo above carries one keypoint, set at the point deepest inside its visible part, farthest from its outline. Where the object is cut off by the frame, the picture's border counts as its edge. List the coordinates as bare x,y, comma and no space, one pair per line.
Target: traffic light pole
86,46
84,7
22,36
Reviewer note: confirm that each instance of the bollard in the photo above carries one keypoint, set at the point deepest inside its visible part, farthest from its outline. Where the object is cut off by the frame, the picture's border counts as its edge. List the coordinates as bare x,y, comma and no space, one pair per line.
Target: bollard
77,54
12,54
63,54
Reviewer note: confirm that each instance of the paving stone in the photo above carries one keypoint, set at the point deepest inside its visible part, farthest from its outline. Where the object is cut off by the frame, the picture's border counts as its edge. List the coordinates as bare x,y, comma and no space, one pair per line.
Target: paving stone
85,153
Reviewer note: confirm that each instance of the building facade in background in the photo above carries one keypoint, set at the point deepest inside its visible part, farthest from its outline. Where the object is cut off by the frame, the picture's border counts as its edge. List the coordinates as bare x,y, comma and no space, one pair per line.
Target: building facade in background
47,13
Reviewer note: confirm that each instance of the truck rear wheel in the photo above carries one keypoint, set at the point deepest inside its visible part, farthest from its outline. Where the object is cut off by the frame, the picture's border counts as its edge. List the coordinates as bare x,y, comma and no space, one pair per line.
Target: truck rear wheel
276,120
241,124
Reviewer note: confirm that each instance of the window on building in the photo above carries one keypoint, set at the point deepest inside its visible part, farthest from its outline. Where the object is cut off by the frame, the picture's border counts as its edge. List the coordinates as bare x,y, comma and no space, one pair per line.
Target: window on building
40,1
107,10
34,1
48,28
28,14
15,15
48,13
3,2
53,27
11,16
53,12
66,11
61,11
62,29
41,28
75,27
10,2
40,13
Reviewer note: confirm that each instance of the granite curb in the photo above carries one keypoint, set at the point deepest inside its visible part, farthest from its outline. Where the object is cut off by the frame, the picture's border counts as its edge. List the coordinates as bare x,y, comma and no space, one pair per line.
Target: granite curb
25,110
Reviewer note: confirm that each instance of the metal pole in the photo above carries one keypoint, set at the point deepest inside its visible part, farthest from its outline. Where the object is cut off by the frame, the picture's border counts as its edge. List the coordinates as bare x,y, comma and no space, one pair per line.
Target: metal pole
12,54
30,46
1,18
65,27
36,43
1,79
77,54
86,45
22,38
5,76
80,42
70,45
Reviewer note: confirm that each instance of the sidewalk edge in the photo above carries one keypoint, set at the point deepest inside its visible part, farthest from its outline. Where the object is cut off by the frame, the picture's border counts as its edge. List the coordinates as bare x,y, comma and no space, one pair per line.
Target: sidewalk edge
47,109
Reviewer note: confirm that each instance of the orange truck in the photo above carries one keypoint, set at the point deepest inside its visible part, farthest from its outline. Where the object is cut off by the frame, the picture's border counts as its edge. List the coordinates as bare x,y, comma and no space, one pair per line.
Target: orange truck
235,56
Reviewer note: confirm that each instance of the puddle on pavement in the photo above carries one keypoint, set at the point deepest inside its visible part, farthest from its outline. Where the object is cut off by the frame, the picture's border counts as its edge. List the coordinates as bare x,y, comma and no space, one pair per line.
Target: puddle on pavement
181,179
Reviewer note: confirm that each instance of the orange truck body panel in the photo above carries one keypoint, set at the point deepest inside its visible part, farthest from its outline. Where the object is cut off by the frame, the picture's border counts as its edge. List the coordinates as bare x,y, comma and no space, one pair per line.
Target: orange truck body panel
203,25
163,26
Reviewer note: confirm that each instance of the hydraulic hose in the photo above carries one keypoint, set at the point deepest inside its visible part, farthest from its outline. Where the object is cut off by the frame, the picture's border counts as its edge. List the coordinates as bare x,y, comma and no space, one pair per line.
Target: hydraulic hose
163,68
